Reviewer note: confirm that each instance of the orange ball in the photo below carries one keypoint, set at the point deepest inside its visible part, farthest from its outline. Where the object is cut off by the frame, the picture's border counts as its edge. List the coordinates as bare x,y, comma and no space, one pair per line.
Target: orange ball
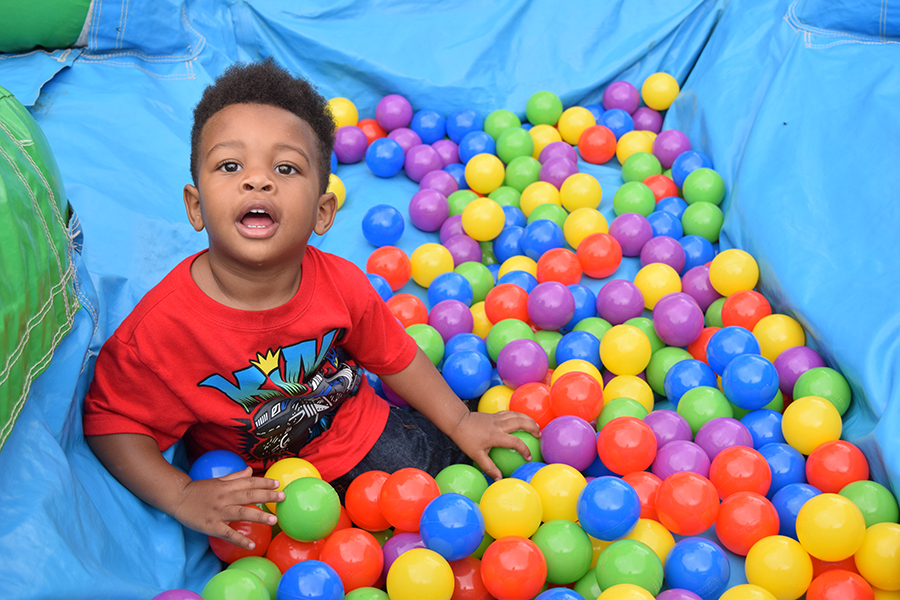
576,394
506,301
687,503
286,552
661,186
392,263
361,501
646,484
404,496
597,144
697,348
514,568
533,399
408,309
744,519
740,469
356,556
600,255
745,309
372,129
626,445
559,264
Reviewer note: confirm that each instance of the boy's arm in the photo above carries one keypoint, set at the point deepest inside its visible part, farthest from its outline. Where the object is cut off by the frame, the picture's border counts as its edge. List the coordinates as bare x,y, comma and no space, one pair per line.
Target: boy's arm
423,387
206,505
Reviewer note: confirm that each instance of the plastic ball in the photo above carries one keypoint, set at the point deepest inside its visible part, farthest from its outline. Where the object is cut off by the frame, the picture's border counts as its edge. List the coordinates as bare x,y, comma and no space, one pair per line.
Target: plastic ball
835,464
522,361
569,440
420,574
366,593
474,144
421,160
695,283
479,277
600,255
660,363
640,166
350,144
468,584
382,225
559,593
647,119
521,172
514,143
686,375
511,507
732,271
484,173
794,362
608,508
668,145
533,399
659,91
393,111
680,456
879,555
581,223
336,187
703,404
619,300
745,309
310,580
343,112
215,464
428,209
540,236
680,594
462,479
626,445
428,261
573,122
625,591
663,249
677,319
597,144
632,231
655,281
634,197
745,518
625,350
630,561
787,466
260,534
780,565
718,434
550,305
698,251
452,526
876,503
429,124
362,499
504,332
408,309
499,121
397,544
687,503
687,162
238,583
668,426
576,394
580,190
404,495
483,219
450,286
825,383
698,565
559,486
467,373
750,381
621,95
462,122
513,568
727,344
560,265
747,591
181,594
557,170
809,422
740,469
428,340
391,263
830,527
839,584
542,136
355,555
310,509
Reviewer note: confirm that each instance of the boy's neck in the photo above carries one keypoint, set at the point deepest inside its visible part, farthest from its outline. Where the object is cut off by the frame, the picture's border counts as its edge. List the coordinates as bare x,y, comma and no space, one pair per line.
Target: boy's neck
245,287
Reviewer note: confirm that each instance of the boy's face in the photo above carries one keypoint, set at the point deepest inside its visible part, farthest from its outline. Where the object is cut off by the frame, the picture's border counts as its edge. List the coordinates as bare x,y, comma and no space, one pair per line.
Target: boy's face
257,191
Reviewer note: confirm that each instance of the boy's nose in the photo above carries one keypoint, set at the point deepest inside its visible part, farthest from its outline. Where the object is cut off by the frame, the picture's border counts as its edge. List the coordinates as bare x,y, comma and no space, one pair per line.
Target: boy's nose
257,180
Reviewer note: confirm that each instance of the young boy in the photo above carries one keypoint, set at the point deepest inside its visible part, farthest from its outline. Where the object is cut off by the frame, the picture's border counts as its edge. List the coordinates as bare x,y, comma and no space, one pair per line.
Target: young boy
255,345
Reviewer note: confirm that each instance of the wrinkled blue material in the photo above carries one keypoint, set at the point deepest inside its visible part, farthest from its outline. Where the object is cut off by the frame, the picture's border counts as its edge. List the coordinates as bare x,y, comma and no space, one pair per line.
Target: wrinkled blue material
794,102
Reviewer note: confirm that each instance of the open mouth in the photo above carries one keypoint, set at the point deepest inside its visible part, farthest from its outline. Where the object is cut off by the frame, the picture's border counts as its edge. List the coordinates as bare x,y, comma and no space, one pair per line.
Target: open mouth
257,218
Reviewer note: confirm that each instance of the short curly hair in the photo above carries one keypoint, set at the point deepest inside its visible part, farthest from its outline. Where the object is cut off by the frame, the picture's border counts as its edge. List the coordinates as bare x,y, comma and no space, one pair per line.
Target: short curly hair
267,83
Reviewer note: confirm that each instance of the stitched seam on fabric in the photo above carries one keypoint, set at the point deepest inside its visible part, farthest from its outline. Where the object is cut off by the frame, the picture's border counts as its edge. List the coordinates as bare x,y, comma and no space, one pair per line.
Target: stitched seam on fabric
150,73
123,18
808,30
61,58
192,52
21,146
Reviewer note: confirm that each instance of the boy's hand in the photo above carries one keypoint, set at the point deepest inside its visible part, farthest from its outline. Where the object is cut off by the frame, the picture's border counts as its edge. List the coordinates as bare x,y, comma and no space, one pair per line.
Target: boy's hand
209,505
476,433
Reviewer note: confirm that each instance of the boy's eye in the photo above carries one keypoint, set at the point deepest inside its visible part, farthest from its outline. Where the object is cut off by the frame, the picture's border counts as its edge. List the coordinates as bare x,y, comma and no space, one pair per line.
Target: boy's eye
285,169
230,167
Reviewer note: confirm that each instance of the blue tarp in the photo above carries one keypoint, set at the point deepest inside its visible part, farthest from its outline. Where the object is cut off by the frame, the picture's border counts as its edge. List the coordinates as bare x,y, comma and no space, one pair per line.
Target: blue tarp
792,100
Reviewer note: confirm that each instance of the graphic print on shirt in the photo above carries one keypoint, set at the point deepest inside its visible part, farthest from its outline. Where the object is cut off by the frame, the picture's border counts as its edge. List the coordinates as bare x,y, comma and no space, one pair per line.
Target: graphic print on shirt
289,395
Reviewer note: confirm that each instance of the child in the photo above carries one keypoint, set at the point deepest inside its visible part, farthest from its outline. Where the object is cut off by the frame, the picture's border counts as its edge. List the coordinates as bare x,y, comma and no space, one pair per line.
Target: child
255,345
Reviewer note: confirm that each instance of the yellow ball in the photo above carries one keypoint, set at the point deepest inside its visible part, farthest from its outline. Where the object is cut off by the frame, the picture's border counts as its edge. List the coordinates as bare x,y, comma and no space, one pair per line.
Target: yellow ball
420,574
483,219
428,261
496,399
583,222
537,193
878,559
517,263
625,591
598,547
580,190
632,142
573,122
287,470
343,112
559,485
809,422
485,173
659,91
885,594
747,591
576,364
629,386
830,527
482,325
625,350
336,187
511,507
543,136
655,281
780,565
777,333
733,271
655,535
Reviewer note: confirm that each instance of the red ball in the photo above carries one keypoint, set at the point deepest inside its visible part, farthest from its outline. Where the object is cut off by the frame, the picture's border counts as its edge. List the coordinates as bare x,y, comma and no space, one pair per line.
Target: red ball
356,556
626,445
600,255
577,394
533,399
467,582
744,519
506,301
697,348
745,309
260,533
408,309
372,129
820,566
835,464
392,263
286,552
513,568
740,469
661,186
646,484
558,264
839,585
597,144
687,503
362,501
404,496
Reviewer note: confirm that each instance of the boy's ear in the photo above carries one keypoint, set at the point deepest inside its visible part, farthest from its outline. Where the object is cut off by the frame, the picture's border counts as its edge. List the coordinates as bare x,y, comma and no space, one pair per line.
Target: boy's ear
325,215
192,207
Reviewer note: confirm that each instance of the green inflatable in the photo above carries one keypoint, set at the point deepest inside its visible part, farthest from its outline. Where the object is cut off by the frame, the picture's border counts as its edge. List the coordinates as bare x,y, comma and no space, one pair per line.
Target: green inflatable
28,24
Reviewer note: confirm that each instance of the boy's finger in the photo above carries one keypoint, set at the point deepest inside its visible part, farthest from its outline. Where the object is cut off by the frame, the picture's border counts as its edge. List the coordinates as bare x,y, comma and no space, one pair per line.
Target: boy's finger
254,515
230,535
246,473
489,468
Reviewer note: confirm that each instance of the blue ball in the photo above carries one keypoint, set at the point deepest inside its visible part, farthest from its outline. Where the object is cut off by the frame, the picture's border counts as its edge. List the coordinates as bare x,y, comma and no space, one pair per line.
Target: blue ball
673,205
450,286
514,217
458,171
686,163
699,566
618,121
787,466
608,508
494,270
598,469
764,426
597,111
541,235
385,157
468,373
579,345
585,305
430,125
465,341
452,526
215,464
559,594
374,382
750,381
665,223
495,378
697,251
527,470
474,143
526,125
461,122
686,375
728,343
334,161
523,279
310,580
787,502
381,286
382,225
508,243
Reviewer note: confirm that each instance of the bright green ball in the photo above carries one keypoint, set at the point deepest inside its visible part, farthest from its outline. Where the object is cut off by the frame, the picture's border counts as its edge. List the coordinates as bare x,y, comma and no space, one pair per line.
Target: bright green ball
462,479
429,340
499,121
310,509
521,172
364,593
514,143
263,568
503,333
825,383
459,200
235,583
506,195
629,561
660,363
548,340
382,536
550,212
874,501
639,166
508,460
543,108
703,185
486,541
487,253
703,404
703,219
479,277
613,408
567,549
594,325
646,325
634,197
587,586
713,316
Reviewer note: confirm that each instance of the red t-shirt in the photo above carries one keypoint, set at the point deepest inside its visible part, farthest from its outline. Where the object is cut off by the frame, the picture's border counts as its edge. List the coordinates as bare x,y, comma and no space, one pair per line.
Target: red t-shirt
265,384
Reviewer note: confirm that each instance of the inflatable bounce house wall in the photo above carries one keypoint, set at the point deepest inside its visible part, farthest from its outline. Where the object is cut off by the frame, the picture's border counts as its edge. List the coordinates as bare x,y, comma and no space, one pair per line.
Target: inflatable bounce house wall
791,99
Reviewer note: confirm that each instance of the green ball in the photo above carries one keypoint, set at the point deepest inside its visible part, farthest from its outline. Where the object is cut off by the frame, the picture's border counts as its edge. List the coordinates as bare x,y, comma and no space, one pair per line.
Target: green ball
479,277
506,195
646,325
777,404
429,340
567,549
486,541
629,561
668,173
459,200
514,143
462,479
487,253
499,121
588,587
364,593
503,333
520,173
594,325
703,219
543,108
875,502
703,185
639,166
508,460
703,404
634,197
713,316
550,212
660,363
310,509
382,536
267,571
548,341
236,583
620,407
825,383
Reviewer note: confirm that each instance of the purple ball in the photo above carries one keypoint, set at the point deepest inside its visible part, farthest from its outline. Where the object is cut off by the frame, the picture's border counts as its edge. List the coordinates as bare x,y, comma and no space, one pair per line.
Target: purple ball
619,300
678,594
522,361
448,151
451,228
669,426
621,94
450,317
696,284
558,150
407,138
428,209
680,455
350,144
647,119
442,181
551,305
632,231
420,160
463,249
392,397
722,432
608,376
677,319
397,545
668,145
663,249
178,594
794,362
556,170
569,440
393,111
